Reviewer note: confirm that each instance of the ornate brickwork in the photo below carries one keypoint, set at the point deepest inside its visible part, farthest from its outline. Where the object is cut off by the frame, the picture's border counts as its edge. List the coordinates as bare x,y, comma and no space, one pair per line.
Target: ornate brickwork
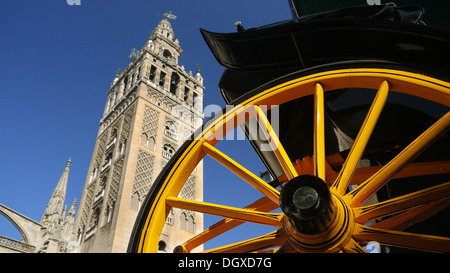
86,205
186,133
127,118
188,192
115,182
187,217
150,122
144,173
114,129
101,149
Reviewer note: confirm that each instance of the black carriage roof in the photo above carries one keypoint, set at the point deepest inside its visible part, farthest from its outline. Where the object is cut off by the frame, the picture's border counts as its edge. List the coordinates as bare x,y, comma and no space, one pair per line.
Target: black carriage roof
383,34
365,32
436,10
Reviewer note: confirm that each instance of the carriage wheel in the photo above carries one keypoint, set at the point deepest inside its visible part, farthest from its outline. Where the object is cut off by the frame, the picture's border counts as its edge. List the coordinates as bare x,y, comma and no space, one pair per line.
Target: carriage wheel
321,209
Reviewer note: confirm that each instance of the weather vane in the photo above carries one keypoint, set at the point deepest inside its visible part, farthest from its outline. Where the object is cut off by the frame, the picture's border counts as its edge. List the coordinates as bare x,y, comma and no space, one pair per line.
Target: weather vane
169,15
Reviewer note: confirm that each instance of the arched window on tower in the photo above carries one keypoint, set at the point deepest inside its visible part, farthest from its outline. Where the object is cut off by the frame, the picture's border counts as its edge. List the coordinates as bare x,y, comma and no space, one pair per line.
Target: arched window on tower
109,158
187,222
109,213
170,218
107,163
174,83
191,224
152,144
93,175
195,101
96,217
186,94
103,183
122,147
162,246
80,233
168,151
162,78
125,83
152,73
167,54
144,140
170,130
135,201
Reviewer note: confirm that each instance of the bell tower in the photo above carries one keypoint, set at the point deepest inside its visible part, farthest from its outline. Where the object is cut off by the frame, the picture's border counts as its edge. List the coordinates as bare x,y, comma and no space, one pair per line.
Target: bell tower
151,108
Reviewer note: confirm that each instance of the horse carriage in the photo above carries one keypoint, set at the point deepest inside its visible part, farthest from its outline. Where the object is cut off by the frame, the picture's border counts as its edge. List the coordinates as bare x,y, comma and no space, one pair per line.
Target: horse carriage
351,106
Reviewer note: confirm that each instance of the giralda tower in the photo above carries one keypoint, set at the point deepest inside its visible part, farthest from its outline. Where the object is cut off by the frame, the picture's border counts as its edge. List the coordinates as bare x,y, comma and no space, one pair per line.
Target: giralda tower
151,108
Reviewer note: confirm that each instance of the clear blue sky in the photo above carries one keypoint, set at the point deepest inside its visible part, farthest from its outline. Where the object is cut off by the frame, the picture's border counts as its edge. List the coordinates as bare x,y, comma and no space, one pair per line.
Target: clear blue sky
57,62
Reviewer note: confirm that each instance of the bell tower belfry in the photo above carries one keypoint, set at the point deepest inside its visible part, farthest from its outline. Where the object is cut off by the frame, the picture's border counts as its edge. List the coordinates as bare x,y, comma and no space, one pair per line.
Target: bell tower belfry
152,106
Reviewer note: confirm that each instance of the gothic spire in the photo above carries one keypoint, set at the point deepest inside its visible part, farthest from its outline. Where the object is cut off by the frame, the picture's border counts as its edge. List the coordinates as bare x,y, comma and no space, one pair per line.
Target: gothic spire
62,184
70,218
56,203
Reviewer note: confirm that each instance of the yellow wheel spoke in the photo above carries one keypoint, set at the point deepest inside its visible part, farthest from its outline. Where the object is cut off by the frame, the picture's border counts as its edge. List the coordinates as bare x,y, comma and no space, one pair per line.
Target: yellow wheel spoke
353,247
264,218
224,225
398,204
413,216
343,180
319,133
275,144
242,172
402,239
411,170
376,181
273,239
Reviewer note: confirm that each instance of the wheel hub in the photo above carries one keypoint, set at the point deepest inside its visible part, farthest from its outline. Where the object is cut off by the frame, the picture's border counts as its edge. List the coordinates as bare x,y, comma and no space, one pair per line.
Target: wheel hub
315,219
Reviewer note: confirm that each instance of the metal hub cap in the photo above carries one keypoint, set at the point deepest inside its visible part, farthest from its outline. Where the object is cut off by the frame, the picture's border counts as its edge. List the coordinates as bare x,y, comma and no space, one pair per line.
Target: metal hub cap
305,198
315,220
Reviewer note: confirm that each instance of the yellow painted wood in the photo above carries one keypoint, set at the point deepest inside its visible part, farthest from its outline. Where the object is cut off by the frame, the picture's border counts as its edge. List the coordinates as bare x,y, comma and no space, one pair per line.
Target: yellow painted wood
394,205
354,247
264,218
277,147
273,239
402,239
376,181
319,132
263,204
346,174
412,216
252,179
